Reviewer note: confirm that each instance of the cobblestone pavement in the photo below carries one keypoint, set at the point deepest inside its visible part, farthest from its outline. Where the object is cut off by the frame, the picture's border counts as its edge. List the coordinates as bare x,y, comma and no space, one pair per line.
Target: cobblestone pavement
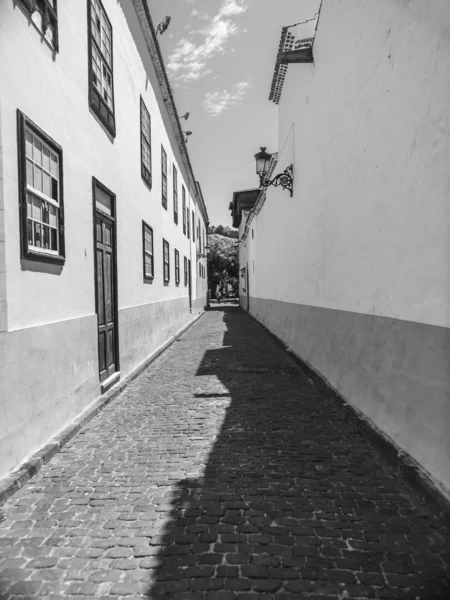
222,472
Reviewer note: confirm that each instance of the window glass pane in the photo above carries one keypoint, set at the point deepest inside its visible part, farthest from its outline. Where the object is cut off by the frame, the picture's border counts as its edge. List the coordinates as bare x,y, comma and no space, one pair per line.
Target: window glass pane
37,235
37,151
30,177
37,209
46,184
45,237
55,190
30,232
37,178
53,239
54,165
29,144
29,205
46,159
45,212
52,215
103,201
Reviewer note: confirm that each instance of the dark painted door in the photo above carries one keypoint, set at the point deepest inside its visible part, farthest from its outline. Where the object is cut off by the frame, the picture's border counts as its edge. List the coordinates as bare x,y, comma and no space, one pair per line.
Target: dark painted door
105,290
190,284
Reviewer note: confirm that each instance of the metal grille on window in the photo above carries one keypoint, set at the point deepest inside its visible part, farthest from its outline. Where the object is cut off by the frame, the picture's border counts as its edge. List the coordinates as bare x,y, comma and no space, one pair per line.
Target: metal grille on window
42,192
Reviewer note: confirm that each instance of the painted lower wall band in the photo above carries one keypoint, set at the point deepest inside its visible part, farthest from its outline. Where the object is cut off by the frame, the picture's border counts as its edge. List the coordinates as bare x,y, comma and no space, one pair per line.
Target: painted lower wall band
397,373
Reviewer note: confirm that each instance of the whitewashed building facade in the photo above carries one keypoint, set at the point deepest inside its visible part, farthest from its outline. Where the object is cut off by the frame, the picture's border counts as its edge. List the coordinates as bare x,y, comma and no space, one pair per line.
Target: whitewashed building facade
352,271
102,223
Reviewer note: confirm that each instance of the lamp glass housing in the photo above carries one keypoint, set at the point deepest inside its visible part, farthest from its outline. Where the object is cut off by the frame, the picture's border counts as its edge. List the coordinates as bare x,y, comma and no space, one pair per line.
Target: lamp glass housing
262,162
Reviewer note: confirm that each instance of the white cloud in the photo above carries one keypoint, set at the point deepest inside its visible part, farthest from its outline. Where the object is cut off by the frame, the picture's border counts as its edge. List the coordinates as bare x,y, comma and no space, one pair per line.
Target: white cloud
216,102
189,58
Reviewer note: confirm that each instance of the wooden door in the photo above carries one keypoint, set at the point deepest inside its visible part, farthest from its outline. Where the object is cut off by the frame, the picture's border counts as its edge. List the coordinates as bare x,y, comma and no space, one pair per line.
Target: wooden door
190,284
106,290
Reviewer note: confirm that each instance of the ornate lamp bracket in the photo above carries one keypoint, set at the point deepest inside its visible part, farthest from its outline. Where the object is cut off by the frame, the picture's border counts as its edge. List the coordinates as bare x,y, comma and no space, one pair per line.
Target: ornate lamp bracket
284,179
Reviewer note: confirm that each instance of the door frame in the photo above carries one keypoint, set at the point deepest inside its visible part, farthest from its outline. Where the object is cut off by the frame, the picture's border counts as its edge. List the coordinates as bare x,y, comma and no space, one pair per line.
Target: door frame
96,183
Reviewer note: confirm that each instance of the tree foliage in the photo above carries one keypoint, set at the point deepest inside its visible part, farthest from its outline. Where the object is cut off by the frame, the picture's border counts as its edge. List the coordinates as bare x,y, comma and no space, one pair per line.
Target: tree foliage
223,259
224,230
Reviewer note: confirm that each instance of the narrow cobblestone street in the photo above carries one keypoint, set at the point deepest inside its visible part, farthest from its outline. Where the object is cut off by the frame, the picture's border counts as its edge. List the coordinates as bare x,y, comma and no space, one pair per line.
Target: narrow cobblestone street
222,472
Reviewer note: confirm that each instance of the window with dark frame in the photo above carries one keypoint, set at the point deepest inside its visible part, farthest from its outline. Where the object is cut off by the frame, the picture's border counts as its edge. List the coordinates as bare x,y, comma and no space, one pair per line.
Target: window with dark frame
166,261
147,250
101,85
146,145
188,223
40,193
193,226
185,271
163,177
177,267
183,196
175,194
44,15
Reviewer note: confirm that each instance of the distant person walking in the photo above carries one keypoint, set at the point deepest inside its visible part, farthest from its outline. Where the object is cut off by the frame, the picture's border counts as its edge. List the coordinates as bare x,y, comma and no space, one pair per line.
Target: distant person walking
219,295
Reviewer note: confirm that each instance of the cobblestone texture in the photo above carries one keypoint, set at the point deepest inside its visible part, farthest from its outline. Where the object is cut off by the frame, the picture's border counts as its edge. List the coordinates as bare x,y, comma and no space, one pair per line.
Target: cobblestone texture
223,472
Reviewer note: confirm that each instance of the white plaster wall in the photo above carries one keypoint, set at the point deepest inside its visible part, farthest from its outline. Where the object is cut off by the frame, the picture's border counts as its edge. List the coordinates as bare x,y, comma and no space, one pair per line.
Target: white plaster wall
52,374
368,129
60,108
366,234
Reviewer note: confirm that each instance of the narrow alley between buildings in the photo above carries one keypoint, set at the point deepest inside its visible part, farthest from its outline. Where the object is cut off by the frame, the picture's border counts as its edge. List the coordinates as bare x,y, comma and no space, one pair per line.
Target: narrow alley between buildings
223,471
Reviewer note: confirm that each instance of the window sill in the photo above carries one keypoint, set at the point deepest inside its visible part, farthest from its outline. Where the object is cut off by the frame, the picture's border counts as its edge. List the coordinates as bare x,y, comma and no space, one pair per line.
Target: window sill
148,279
43,257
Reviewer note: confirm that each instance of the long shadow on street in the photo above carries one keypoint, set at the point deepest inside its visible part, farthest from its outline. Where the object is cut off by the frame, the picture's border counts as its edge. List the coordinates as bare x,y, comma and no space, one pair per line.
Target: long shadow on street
294,500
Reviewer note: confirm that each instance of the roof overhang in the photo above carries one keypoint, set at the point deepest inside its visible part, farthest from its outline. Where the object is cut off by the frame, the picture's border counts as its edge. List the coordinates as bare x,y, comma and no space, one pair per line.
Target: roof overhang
294,48
243,200
145,20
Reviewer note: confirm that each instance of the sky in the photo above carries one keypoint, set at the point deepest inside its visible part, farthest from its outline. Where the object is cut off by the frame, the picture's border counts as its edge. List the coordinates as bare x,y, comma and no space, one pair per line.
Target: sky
220,56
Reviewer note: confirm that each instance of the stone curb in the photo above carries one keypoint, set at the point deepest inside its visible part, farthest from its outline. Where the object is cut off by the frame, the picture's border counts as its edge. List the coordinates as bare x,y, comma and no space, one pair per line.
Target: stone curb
397,458
10,484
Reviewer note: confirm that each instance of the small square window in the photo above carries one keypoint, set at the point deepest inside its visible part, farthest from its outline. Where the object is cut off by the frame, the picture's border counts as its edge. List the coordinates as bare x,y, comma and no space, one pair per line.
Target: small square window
147,251
166,261
40,193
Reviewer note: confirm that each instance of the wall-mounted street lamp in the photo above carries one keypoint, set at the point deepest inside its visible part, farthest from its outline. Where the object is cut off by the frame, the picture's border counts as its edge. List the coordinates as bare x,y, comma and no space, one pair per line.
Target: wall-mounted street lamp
185,116
187,134
284,179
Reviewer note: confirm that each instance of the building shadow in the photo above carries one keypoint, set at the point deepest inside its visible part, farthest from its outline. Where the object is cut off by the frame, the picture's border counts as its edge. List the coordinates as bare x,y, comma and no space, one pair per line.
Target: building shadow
293,500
